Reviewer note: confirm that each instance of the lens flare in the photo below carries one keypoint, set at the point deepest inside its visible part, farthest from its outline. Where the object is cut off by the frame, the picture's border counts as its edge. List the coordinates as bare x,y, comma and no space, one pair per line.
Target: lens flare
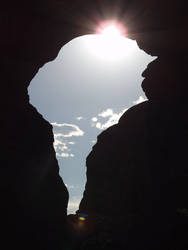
82,218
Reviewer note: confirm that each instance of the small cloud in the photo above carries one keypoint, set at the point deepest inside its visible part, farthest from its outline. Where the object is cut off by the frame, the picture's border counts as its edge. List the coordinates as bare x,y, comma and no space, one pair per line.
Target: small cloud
64,147
66,130
113,118
62,134
71,142
106,113
60,147
94,119
139,100
99,125
66,155
79,118
57,142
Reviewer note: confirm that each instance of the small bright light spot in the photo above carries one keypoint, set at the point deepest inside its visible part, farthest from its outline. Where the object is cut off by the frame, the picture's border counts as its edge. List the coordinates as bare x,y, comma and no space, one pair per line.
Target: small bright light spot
82,218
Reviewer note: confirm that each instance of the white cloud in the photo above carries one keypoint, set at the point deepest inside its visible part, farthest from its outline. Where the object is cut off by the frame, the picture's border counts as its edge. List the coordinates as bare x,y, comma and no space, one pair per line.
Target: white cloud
79,118
60,147
106,113
94,119
66,155
71,142
57,142
66,130
139,100
111,116
62,134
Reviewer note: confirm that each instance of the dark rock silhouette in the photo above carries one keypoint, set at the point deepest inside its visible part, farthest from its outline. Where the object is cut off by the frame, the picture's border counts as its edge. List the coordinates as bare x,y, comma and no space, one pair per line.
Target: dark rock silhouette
137,176
33,196
147,147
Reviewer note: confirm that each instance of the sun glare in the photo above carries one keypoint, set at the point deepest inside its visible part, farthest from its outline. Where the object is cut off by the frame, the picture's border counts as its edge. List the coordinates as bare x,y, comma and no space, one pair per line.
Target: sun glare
110,42
111,28
111,31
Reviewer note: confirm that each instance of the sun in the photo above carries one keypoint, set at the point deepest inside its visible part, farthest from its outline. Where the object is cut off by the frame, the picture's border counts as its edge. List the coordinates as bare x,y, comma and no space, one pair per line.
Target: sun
111,29
109,42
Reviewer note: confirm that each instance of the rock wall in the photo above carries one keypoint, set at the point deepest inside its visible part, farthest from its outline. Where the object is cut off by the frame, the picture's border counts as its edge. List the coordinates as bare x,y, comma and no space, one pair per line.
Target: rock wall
137,179
137,175
33,196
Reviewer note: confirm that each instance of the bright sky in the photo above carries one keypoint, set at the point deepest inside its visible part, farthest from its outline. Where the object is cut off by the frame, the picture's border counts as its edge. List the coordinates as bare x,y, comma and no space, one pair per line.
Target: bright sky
83,92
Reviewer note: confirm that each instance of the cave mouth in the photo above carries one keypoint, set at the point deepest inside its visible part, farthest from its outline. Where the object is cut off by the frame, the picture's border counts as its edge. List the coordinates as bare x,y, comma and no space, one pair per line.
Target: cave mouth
81,94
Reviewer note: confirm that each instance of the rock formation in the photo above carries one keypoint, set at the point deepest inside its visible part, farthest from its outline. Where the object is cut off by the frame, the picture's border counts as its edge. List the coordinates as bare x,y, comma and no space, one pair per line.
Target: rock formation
144,153
137,176
33,196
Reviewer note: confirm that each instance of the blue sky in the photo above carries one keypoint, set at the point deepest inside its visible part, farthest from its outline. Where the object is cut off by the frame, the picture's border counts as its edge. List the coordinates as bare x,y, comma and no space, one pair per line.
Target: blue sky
82,93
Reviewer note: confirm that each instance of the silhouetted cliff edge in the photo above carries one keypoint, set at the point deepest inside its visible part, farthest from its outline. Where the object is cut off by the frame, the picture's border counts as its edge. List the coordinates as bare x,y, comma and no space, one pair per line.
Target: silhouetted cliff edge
137,179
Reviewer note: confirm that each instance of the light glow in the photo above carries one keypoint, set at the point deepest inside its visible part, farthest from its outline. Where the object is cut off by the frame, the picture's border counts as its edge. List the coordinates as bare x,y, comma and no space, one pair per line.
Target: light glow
111,29
110,42
82,218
